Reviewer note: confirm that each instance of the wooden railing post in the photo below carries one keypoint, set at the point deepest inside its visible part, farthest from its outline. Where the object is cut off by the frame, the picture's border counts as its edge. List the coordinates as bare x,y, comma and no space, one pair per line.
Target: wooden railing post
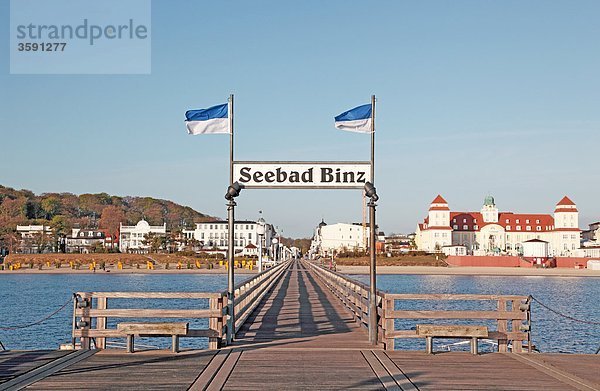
388,323
502,327
517,345
215,323
101,323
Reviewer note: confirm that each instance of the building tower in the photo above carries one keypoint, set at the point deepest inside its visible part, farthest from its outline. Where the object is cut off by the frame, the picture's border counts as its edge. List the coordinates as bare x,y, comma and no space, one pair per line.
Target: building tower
439,213
489,211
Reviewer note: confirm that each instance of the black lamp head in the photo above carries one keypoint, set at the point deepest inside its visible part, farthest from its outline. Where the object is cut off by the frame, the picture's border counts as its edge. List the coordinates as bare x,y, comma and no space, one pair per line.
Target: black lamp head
371,192
233,191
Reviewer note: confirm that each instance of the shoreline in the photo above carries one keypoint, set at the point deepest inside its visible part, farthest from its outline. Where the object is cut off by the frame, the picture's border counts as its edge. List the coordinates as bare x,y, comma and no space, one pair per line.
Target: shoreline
348,270
470,271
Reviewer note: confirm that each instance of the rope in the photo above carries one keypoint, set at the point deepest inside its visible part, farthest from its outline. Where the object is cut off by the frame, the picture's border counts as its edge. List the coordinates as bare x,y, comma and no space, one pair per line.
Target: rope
7,328
563,315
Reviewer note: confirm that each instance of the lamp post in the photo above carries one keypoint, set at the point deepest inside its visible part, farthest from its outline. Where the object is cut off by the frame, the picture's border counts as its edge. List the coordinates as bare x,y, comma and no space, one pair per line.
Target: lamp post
232,192
260,229
371,192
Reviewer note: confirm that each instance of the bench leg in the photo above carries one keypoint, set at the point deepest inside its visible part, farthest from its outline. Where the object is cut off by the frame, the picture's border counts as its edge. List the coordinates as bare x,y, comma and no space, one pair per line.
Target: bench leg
175,343
428,345
130,343
474,349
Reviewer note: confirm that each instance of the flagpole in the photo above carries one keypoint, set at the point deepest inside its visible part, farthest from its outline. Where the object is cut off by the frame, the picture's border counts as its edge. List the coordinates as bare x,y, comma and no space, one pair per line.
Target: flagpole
373,323
230,244
230,116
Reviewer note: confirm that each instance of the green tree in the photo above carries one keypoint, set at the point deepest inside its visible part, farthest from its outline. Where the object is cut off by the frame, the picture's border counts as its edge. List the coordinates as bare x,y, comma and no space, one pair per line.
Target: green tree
51,206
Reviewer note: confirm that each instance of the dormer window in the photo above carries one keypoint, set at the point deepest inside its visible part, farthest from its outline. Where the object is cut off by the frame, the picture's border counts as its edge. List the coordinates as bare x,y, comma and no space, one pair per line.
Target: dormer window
527,221
508,227
507,221
538,228
537,221
517,221
518,227
464,220
528,228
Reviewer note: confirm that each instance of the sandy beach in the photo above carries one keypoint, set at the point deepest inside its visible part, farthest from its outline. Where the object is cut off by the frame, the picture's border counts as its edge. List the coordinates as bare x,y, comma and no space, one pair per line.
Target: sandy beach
472,271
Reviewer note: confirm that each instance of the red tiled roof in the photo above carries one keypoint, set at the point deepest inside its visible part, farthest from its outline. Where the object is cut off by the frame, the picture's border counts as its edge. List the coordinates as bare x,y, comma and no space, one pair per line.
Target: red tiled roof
439,208
439,200
565,210
565,201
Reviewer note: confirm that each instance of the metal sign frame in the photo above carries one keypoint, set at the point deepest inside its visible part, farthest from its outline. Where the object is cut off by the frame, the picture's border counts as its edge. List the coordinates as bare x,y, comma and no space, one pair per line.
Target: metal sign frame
367,165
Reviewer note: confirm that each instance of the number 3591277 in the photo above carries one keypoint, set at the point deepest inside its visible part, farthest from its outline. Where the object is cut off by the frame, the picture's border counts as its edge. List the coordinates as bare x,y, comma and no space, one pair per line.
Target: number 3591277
41,47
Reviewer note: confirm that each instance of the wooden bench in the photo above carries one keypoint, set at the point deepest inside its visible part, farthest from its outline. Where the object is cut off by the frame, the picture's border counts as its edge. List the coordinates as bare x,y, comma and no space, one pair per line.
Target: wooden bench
173,329
455,331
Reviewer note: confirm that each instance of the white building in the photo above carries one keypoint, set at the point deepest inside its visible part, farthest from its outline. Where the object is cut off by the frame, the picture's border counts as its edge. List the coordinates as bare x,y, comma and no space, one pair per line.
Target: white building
132,237
591,236
214,235
339,237
35,238
492,232
84,240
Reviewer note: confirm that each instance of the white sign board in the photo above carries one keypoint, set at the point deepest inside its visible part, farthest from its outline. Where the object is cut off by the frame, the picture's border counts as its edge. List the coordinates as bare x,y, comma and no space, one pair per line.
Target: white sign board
302,175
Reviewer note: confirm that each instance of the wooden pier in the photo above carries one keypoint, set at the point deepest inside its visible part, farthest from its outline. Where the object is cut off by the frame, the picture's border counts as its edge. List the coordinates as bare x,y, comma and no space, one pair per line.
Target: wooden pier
303,329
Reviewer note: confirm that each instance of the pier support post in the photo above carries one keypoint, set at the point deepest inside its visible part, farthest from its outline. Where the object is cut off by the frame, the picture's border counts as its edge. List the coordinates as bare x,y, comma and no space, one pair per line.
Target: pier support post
373,276
230,274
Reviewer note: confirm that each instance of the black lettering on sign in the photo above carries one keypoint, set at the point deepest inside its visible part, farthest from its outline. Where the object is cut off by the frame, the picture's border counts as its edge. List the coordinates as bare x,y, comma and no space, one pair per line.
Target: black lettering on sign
257,176
326,174
360,177
245,175
348,177
281,175
270,176
307,176
294,177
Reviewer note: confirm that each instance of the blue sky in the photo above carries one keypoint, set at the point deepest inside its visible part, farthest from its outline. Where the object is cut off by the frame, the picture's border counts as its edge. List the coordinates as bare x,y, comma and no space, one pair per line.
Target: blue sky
474,97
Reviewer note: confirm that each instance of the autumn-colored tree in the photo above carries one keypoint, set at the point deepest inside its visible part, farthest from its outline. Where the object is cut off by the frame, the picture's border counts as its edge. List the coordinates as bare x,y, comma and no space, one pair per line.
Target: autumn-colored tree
110,221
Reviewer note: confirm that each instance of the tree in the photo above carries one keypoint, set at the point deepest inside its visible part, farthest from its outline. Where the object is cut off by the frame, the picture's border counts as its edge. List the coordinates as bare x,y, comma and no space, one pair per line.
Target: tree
51,207
155,241
110,222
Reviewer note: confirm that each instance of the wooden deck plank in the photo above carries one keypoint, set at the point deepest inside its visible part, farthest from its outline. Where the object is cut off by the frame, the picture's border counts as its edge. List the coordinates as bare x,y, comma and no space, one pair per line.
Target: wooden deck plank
16,363
465,371
139,371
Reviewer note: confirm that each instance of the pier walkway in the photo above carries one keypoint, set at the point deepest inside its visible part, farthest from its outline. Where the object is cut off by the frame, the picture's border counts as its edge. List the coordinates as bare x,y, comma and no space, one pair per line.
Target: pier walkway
300,336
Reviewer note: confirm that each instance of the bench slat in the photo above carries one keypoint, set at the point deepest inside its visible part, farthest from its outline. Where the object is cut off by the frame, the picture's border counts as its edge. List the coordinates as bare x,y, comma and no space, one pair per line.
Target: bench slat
175,328
452,331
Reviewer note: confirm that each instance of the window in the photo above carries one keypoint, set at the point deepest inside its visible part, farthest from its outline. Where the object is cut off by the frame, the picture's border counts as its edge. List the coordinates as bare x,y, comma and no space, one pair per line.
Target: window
475,227
517,221
465,227
573,246
455,226
474,220
538,228
573,237
528,228
464,220
537,221
250,235
518,227
211,227
565,237
507,221
454,220
508,227
247,226
527,221
444,235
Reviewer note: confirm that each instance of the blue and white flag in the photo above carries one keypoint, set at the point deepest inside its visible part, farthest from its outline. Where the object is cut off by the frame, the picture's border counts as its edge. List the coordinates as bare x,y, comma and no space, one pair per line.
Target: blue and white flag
208,121
356,120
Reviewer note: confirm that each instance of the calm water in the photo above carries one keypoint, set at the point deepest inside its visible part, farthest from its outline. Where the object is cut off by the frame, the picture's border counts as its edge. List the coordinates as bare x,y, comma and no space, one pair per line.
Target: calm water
27,298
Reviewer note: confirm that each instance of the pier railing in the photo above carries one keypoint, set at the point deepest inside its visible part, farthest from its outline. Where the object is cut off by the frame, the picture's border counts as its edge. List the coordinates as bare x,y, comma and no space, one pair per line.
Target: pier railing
511,314
91,310
510,317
